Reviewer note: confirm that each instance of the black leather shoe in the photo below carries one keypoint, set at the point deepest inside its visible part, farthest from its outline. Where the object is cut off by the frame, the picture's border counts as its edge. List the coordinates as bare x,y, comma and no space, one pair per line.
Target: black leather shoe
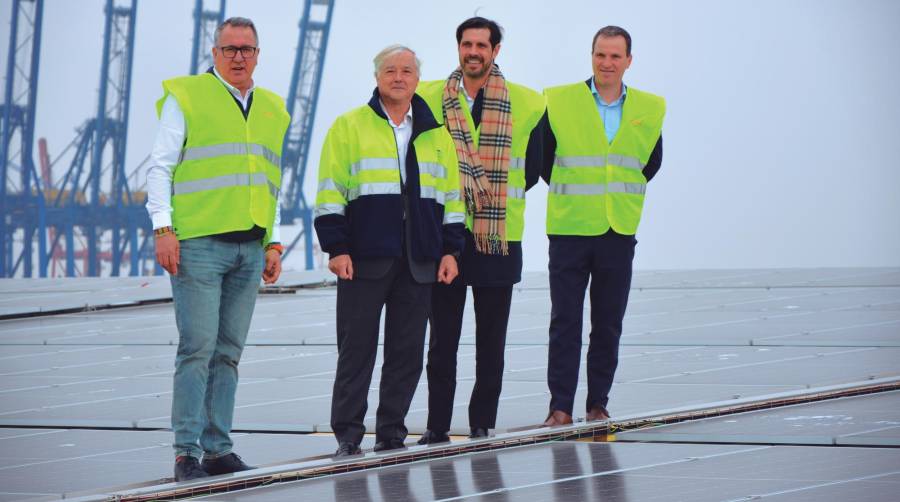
347,449
187,468
226,464
390,444
431,437
478,432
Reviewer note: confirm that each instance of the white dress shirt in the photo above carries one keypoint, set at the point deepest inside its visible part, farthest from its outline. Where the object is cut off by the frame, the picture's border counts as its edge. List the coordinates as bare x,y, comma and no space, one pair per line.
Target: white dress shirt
469,101
167,146
402,134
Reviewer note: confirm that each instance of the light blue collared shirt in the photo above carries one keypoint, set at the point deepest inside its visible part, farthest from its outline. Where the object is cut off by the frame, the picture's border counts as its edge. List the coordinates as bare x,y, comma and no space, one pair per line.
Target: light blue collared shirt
610,114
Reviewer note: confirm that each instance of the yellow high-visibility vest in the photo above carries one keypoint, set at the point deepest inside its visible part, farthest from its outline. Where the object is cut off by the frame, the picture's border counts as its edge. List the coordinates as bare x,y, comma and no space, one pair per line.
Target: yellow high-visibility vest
596,185
229,173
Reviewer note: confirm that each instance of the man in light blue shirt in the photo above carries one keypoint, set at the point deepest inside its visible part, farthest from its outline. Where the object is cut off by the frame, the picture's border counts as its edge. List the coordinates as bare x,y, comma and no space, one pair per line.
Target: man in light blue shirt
577,259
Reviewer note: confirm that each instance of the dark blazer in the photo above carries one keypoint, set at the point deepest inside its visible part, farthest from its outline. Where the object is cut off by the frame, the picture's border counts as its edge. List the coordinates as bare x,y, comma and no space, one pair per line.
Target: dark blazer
424,272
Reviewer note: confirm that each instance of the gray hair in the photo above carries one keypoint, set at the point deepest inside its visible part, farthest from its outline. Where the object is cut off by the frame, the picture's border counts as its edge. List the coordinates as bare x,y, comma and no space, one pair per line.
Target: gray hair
236,22
392,50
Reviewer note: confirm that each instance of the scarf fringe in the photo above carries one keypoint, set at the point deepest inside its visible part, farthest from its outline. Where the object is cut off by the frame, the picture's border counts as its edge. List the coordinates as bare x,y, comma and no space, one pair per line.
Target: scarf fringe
491,244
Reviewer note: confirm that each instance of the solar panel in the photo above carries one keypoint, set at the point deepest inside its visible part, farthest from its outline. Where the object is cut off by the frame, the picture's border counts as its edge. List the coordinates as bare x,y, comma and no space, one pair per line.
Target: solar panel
691,338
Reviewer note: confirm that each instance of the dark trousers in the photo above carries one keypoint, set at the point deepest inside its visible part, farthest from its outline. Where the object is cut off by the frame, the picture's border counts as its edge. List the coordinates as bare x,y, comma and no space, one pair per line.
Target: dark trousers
574,261
492,306
359,305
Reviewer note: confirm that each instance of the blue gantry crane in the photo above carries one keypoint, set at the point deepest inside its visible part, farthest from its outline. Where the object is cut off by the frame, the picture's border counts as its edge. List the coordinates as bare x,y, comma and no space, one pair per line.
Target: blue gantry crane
205,24
93,196
95,193
92,214
303,95
21,195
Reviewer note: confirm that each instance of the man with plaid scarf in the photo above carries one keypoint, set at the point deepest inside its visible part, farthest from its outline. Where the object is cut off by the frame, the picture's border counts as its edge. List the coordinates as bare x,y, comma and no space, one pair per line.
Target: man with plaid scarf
491,122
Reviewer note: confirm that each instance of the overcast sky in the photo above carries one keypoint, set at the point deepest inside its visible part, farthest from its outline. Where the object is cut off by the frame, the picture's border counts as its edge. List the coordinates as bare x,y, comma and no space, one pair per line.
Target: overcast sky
781,134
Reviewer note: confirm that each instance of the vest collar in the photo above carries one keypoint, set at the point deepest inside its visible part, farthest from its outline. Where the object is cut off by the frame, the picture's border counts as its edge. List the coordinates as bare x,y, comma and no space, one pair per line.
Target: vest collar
590,83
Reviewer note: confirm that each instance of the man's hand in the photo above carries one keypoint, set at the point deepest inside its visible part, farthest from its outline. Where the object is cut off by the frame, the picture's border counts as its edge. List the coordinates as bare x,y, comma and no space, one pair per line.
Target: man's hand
447,271
273,266
168,252
342,266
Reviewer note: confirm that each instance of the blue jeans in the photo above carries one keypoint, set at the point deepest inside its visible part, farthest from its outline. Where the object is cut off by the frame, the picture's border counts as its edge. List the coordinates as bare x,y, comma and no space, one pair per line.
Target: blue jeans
214,294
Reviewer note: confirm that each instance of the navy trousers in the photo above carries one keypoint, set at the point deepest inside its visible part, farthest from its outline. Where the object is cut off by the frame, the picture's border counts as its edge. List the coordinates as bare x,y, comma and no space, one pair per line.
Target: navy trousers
605,262
492,305
359,306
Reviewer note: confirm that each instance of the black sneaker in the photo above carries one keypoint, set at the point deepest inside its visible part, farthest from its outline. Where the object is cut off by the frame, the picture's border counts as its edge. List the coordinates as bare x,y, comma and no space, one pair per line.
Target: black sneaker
187,468
478,433
390,444
431,437
226,464
347,449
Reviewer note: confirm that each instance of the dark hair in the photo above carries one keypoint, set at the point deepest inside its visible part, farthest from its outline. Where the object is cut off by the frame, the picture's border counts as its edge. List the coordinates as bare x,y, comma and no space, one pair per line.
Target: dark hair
236,22
613,31
480,22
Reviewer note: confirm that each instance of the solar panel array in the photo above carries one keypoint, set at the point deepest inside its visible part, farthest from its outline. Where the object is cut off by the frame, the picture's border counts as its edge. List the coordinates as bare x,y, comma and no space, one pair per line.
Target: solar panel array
87,394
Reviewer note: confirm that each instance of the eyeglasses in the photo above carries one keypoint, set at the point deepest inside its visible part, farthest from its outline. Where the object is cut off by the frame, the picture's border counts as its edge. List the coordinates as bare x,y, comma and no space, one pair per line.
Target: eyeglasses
230,51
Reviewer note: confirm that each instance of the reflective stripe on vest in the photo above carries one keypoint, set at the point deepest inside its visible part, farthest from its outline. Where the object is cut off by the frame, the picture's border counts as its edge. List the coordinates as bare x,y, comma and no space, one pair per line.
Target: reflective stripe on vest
372,189
599,161
329,184
205,152
324,209
373,164
429,192
426,192
432,168
226,181
514,192
584,189
453,216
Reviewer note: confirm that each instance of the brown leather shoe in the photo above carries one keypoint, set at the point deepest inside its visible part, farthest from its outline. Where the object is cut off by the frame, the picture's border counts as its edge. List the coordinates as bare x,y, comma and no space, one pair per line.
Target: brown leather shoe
597,412
557,417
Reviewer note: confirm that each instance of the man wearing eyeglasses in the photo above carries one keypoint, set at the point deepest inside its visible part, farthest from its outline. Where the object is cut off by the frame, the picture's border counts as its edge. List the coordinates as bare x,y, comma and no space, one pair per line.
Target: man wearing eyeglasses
213,190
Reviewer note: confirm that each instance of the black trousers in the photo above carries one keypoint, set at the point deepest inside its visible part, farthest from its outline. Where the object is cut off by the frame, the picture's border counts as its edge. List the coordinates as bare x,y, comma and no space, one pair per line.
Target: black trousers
573,262
492,306
359,305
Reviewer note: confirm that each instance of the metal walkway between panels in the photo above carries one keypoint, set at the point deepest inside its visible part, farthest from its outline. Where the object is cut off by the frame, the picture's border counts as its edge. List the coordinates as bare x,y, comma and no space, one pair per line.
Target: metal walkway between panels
732,385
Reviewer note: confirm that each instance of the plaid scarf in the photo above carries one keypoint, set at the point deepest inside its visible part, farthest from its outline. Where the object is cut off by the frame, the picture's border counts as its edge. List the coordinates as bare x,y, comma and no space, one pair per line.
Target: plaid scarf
483,171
